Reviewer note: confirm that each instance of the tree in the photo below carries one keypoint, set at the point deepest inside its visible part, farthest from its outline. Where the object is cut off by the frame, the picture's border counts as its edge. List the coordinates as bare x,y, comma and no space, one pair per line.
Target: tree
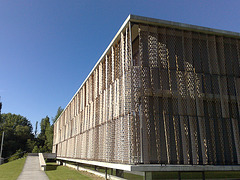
30,144
18,154
45,122
0,109
35,134
59,112
17,130
35,149
45,138
49,137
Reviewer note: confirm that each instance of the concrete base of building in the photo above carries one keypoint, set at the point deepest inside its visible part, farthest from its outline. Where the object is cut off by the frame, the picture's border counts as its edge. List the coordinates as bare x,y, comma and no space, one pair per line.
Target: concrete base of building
147,169
156,167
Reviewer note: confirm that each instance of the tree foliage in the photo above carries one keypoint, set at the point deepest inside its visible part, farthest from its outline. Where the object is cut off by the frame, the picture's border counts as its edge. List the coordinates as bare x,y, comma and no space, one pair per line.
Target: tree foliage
46,135
45,138
35,149
17,131
19,135
59,112
18,154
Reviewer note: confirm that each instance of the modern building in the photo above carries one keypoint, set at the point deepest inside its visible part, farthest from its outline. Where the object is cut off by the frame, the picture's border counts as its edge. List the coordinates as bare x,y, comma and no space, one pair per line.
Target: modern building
162,93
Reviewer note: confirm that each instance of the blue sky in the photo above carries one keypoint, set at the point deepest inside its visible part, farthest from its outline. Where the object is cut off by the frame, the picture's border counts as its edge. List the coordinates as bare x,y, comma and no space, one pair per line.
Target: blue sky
48,47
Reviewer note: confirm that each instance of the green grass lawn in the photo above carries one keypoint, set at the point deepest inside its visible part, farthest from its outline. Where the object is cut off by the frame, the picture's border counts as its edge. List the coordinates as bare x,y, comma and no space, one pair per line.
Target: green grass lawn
174,175
11,170
55,172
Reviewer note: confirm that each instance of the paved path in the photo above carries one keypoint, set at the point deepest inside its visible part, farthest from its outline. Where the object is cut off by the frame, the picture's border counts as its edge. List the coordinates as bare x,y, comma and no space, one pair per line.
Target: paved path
31,170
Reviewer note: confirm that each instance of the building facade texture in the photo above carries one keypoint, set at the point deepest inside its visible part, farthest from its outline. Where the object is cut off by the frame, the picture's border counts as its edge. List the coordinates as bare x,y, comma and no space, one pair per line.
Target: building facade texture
160,94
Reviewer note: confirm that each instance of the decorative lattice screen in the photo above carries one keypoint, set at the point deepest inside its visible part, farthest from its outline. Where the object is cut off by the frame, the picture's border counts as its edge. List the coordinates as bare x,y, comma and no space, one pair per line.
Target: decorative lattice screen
167,96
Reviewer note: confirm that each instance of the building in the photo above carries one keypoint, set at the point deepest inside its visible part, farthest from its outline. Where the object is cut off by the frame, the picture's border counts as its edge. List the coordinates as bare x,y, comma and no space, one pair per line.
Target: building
161,93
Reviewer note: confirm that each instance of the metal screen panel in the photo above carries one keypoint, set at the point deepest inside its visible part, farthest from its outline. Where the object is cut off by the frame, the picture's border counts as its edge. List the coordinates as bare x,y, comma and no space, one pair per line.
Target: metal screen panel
198,92
168,96
96,124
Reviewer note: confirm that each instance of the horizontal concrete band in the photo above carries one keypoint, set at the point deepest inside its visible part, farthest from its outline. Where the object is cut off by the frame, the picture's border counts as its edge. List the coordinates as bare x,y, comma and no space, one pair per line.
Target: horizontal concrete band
156,167
124,167
49,155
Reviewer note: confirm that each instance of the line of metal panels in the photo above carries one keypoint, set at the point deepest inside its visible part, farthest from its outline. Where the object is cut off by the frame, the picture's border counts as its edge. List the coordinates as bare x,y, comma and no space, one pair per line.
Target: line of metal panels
186,95
95,125
169,96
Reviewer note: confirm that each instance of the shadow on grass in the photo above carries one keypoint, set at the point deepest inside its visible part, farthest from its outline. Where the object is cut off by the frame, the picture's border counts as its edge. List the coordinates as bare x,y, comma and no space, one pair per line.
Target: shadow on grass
51,167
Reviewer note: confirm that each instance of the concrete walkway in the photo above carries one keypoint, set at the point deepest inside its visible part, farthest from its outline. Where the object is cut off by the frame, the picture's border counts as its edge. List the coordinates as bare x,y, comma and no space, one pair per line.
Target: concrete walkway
31,170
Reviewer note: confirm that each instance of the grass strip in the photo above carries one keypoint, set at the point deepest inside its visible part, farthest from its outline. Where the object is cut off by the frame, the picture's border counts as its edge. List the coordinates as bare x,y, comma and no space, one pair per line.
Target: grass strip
56,172
11,170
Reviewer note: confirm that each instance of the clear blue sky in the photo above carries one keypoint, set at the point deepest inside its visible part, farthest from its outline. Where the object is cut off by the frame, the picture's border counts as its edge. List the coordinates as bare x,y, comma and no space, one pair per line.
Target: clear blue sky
48,47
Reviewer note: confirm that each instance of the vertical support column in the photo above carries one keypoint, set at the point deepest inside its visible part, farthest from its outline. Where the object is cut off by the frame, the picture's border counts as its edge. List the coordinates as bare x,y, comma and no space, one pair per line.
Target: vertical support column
179,175
119,173
106,173
203,175
141,133
147,175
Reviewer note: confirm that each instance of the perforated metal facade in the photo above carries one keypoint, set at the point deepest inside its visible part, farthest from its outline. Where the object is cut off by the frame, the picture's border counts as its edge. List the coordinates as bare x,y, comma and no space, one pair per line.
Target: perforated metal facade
161,93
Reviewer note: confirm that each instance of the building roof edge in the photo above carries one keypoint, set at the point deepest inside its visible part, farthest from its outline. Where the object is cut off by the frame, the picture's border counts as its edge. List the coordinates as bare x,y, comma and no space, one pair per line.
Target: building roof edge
159,22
